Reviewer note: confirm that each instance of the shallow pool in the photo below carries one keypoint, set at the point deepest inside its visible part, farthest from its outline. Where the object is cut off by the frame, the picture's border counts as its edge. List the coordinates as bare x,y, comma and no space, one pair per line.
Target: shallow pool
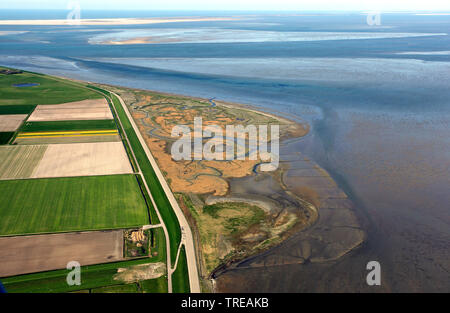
26,85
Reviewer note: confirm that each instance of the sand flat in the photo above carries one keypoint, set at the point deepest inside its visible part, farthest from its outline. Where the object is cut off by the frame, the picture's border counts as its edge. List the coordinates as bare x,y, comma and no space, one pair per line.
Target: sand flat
113,21
83,159
95,109
29,254
11,122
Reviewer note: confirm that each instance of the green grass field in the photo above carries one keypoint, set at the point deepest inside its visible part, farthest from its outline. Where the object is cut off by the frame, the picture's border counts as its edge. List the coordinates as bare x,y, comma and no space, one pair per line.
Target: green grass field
16,109
158,285
94,278
180,277
68,126
71,204
49,91
5,137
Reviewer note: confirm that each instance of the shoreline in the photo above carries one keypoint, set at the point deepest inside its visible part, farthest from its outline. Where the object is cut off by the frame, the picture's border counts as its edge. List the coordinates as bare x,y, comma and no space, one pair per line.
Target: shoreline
111,21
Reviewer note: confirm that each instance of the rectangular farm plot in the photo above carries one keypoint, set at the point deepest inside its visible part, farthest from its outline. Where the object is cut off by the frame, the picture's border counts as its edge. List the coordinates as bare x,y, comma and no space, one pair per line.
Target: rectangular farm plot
29,254
83,159
52,126
71,204
97,109
10,123
19,161
63,160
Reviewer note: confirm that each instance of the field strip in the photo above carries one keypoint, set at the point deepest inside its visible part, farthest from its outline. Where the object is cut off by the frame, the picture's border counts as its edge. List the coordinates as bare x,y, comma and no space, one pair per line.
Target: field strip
10,123
83,159
60,136
20,161
97,109
21,136
70,132
67,139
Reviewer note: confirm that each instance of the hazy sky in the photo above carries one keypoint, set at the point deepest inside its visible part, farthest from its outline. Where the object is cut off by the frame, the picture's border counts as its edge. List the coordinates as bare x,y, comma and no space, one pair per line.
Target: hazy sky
379,5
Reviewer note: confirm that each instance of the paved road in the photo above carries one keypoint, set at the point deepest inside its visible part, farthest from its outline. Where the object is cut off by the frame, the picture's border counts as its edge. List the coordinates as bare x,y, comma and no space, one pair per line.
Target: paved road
187,238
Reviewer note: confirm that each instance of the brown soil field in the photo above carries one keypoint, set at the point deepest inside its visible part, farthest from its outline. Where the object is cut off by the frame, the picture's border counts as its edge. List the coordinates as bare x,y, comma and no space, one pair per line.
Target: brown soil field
29,254
10,123
83,159
97,109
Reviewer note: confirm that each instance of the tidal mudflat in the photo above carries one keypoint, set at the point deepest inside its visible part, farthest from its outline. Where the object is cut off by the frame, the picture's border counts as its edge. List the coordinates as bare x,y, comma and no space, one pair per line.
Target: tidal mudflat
396,195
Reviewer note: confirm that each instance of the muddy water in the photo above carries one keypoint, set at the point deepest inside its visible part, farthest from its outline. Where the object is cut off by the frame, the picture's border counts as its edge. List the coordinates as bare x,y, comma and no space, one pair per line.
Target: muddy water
390,183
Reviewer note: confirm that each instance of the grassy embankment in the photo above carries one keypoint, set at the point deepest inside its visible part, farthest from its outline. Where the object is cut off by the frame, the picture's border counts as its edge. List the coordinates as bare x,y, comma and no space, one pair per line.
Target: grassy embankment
180,276
156,189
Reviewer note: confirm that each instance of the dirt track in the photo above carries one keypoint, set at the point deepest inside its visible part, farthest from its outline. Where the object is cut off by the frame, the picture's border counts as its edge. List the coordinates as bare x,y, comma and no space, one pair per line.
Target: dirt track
29,254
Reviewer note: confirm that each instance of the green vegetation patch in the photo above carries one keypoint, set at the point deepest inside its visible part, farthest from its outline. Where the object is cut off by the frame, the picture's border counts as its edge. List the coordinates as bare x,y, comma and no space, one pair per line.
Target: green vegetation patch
92,277
71,204
128,288
49,91
16,109
158,245
212,210
5,137
252,215
158,285
68,126
180,277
